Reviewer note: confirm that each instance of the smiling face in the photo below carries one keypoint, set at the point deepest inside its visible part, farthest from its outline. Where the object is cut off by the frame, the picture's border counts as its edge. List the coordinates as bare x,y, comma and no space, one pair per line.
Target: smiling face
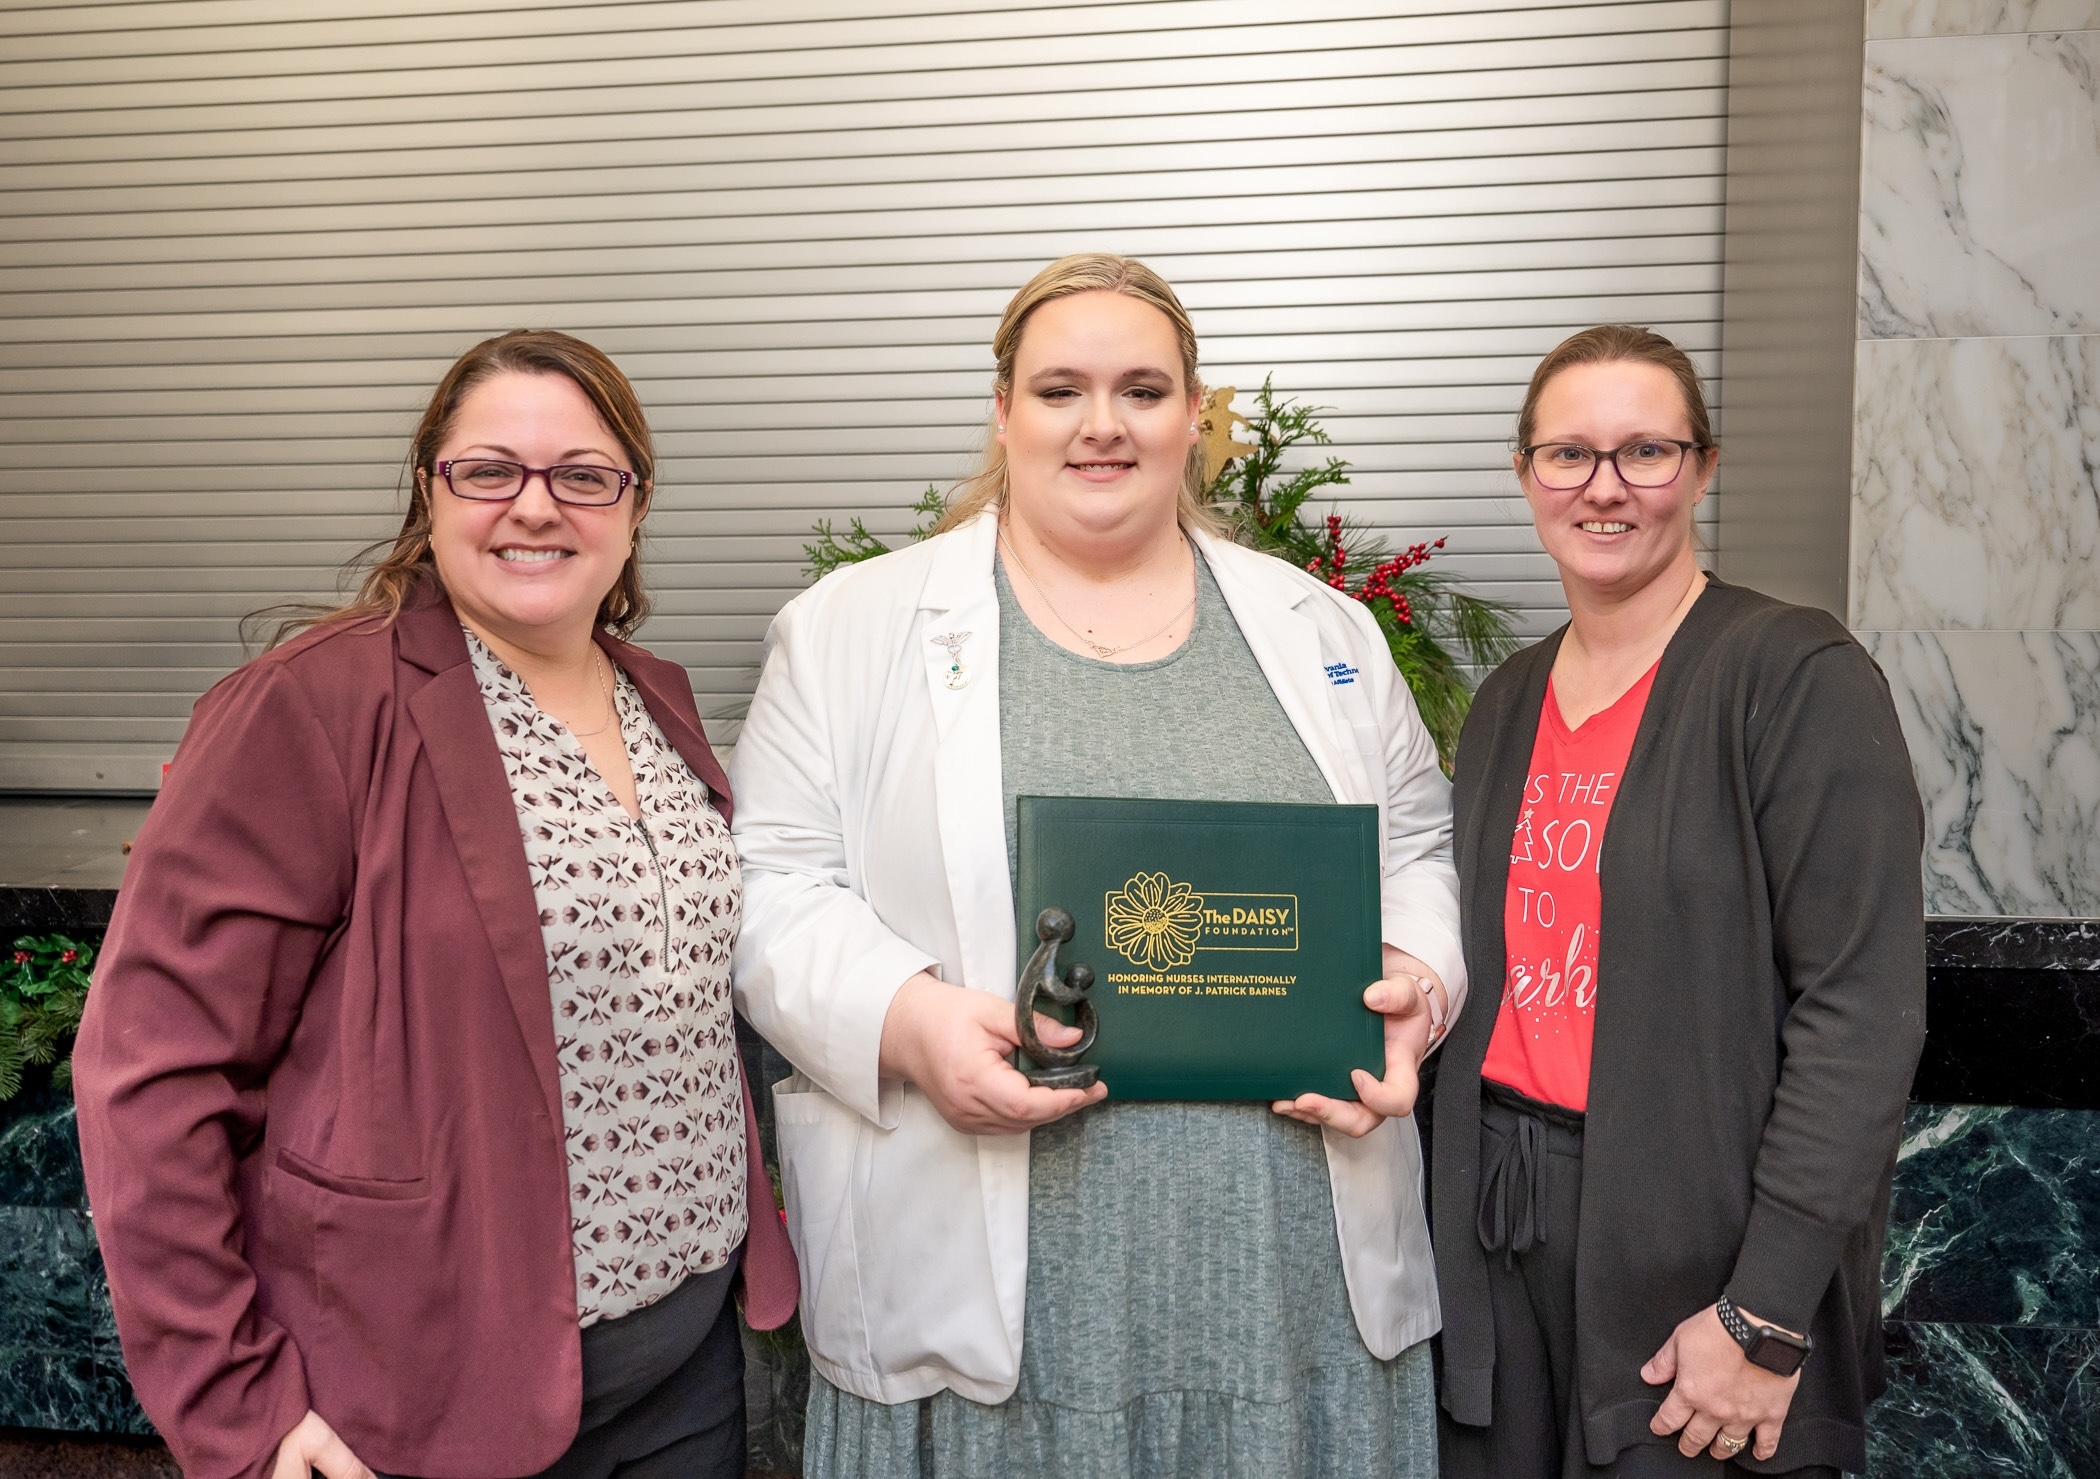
530,571
1100,416
1607,538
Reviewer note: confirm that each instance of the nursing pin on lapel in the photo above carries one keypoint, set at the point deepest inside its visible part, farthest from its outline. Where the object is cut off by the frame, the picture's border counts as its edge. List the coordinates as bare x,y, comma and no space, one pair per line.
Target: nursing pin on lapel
952,642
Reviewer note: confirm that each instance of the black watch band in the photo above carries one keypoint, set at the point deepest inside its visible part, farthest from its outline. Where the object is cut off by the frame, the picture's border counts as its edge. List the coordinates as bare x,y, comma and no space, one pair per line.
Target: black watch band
1765,1346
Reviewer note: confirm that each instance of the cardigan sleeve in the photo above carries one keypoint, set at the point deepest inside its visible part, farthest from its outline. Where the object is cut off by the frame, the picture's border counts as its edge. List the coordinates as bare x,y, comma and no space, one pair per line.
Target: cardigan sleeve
1841,831
240,873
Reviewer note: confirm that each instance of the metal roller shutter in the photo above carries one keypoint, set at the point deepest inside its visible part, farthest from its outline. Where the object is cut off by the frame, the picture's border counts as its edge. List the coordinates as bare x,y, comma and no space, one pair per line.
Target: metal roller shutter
238,242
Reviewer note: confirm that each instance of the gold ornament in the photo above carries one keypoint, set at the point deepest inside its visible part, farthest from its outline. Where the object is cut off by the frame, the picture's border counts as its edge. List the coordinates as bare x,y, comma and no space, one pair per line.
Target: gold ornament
1216,423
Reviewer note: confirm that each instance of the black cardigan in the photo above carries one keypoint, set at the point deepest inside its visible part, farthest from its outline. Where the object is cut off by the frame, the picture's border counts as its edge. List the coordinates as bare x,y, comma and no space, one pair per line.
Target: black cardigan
1761,1006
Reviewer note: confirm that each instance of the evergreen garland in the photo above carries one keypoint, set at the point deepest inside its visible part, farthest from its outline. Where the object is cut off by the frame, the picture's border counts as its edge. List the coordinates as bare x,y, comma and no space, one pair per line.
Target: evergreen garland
1434,629
42,991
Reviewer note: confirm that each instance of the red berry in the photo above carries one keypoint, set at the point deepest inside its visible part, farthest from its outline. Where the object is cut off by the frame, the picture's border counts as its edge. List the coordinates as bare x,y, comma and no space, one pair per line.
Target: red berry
69,956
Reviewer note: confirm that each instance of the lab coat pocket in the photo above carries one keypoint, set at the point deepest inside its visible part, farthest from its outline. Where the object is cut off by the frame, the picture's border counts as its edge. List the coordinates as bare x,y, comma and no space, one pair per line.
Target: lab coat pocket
818,1138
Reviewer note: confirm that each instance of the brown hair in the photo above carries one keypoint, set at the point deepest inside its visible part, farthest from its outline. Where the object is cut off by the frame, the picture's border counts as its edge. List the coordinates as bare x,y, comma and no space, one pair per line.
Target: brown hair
1617,344
1084,272
404,568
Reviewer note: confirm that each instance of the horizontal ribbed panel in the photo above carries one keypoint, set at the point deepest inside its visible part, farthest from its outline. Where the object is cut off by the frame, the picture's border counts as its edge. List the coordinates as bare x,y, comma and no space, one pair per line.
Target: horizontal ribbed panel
239,242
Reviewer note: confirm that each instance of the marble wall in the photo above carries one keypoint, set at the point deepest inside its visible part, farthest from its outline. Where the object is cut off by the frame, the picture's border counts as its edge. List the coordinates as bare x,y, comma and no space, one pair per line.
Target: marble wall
1976,458
1975,582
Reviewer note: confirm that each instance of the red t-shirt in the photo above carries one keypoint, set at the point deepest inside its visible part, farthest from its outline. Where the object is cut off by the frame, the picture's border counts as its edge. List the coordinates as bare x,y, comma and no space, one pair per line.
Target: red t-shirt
1551,914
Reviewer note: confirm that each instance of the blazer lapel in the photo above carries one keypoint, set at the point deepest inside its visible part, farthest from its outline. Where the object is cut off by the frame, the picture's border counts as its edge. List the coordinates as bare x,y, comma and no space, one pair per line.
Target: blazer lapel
667,693
475,796
961,626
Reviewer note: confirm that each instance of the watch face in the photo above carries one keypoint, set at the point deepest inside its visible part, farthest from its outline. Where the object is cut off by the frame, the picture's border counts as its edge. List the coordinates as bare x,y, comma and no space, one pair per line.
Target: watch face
1776,1354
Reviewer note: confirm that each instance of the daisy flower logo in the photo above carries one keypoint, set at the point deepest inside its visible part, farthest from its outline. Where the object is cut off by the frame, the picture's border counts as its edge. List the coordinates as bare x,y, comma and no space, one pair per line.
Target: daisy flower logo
1155,922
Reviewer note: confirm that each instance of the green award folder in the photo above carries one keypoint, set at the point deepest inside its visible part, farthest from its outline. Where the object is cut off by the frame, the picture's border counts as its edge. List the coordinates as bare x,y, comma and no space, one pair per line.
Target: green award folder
1230,942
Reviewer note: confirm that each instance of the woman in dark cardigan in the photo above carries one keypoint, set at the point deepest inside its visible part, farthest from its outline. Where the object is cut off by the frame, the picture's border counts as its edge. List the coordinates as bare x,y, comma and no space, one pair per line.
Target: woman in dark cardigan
1688,845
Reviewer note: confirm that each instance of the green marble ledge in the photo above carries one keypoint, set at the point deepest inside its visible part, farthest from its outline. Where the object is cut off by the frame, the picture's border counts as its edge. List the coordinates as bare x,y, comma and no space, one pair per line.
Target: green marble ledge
1982,1401
60,1365
1995,1218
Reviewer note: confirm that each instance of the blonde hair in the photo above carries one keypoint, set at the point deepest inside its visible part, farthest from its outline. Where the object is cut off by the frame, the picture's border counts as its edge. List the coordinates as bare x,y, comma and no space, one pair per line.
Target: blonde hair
1084,272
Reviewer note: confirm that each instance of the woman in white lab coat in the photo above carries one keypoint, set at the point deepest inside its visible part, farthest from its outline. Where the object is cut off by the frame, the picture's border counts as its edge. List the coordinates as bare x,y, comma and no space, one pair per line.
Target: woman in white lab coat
1004,1278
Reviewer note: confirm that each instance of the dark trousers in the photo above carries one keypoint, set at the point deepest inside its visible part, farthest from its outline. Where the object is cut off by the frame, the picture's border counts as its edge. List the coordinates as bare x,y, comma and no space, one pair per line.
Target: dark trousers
1530,1196
663,1389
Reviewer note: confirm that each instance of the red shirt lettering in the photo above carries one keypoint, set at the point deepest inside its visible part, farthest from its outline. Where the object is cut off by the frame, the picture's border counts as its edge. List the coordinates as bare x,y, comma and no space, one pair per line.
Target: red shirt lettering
1550,916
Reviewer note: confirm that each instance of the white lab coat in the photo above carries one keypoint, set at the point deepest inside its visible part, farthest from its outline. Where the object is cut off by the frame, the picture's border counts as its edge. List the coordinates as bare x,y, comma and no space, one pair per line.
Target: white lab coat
870,825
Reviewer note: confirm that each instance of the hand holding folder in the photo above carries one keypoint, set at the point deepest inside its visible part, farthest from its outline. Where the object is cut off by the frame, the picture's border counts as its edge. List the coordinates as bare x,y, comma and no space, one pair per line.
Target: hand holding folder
1230,942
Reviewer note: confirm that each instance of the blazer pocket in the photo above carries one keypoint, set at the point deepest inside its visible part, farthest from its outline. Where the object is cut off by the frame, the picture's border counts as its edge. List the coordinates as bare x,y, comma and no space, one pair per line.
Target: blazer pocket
371,1188
819,1138
386,1288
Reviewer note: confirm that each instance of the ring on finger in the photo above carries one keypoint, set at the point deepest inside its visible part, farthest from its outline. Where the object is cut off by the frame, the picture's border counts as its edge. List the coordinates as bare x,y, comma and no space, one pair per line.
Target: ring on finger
1730,1446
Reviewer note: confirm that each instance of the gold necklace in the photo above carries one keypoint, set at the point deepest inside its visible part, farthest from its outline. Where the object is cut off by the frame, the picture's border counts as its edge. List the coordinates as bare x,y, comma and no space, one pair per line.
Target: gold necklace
605,691
1099,651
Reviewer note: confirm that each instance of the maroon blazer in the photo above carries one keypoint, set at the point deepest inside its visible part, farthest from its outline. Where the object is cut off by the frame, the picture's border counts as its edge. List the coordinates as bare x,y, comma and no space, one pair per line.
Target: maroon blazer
319,1108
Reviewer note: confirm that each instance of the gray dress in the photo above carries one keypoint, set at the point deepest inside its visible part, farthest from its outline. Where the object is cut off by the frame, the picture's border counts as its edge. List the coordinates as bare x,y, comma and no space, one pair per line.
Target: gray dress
1186,1311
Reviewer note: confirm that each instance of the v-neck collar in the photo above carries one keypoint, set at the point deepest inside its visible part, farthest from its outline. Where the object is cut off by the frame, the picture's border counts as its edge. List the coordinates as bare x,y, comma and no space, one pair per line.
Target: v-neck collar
1638,690
628,711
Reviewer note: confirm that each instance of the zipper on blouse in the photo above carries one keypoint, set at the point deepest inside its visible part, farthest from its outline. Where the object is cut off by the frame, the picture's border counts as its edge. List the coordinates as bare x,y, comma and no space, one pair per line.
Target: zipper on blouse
663,892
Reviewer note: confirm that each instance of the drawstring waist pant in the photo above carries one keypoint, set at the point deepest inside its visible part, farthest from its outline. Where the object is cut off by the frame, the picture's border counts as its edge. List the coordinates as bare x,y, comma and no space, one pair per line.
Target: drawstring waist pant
1530,1201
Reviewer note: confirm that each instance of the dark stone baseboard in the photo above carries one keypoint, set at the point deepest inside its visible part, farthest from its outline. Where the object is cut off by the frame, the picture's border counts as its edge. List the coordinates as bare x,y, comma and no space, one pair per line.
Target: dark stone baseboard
30,911
2013,944
26,1454
2012,1013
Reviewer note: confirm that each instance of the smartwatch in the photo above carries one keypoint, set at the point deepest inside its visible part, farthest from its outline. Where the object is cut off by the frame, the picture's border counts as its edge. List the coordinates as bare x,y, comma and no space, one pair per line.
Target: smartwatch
1764,1345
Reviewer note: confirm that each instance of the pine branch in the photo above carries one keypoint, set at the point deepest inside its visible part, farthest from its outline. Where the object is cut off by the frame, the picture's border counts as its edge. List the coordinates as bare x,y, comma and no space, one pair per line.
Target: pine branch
929,508
833,549
43,990
1434,629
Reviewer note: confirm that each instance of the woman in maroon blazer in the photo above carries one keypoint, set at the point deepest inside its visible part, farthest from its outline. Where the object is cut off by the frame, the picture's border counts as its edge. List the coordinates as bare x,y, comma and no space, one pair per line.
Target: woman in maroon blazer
409,1097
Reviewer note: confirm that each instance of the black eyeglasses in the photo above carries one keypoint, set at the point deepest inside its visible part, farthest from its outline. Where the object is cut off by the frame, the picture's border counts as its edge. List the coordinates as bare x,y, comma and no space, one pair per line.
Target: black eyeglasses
489,480
1652,462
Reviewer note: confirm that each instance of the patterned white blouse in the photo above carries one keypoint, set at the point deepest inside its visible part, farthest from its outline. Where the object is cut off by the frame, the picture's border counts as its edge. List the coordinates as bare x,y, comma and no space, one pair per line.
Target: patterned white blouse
639,917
